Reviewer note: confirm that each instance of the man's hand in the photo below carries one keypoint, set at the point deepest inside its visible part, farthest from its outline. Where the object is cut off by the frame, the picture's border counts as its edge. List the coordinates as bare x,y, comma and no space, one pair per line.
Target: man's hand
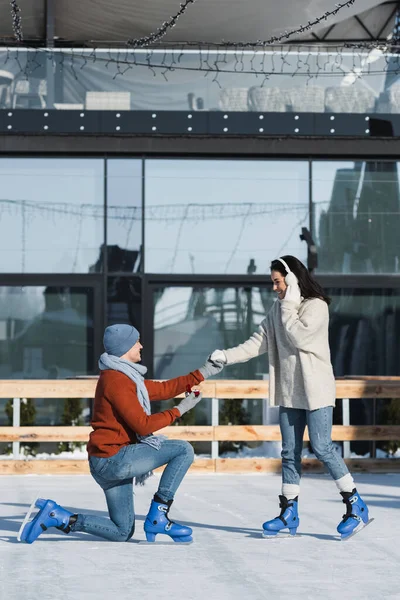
189,402
212,367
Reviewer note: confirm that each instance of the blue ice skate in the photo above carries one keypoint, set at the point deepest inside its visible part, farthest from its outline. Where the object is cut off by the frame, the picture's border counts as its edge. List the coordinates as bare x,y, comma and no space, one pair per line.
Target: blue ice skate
356,517
288,519
157,521
50,515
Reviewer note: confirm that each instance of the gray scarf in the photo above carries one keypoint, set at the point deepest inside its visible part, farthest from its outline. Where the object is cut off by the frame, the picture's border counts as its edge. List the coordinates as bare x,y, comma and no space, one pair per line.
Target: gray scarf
136,373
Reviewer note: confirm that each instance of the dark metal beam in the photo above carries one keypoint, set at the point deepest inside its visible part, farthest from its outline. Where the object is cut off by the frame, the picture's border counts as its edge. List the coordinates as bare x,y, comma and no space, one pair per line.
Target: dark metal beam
396,6
357,18
50,68
318,147
328,32
337,41
50,23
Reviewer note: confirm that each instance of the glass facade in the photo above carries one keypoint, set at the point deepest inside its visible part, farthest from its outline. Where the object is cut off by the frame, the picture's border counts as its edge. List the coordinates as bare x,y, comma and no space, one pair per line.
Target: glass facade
52,214
356,207
191,322
326,81
124,215
364,326
46,332
124,300
223,216
180,248
198,217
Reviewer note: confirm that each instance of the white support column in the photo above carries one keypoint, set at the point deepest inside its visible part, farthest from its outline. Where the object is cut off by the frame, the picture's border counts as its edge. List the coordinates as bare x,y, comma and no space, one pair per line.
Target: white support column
346,421
214,423
16,423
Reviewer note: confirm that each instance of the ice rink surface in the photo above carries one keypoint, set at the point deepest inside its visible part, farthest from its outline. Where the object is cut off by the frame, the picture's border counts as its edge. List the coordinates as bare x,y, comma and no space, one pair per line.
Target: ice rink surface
229,560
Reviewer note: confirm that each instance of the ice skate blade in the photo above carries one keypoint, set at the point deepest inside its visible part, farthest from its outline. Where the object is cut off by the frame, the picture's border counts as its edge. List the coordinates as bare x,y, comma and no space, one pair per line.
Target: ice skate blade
279,536
164,543
357,530
25,521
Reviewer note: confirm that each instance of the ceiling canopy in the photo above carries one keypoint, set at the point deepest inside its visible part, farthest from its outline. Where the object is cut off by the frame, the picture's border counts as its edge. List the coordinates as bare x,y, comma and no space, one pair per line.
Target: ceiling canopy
105,23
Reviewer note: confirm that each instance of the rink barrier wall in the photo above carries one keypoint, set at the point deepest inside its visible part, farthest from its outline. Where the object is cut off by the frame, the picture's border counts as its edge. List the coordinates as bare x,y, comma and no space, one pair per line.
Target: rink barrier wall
347,389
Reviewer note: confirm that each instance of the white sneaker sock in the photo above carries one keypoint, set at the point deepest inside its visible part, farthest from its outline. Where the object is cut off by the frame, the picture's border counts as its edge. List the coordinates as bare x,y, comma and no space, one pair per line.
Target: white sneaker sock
345,483
290,490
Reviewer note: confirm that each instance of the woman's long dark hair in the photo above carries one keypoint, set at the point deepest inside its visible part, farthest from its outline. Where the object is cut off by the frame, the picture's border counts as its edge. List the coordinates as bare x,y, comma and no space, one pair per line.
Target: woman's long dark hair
309,288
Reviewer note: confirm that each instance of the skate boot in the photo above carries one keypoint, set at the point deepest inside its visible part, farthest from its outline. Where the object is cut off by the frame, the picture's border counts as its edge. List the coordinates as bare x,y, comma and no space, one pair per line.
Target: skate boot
289,518
157,521
356,517
50,515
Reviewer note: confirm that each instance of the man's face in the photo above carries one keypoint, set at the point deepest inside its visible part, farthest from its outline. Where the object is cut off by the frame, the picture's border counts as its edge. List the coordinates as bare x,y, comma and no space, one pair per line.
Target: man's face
279,284
134,354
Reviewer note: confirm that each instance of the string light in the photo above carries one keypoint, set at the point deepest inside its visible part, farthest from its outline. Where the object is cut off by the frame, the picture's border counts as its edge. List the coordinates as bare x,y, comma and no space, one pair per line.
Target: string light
171,212
216,58
335,63
328,63
162,31
155,37
16,21
283,37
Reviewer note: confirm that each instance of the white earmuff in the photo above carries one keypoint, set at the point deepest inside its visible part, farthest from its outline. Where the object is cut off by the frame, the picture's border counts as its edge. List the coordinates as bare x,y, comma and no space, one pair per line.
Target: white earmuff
290,278
284,264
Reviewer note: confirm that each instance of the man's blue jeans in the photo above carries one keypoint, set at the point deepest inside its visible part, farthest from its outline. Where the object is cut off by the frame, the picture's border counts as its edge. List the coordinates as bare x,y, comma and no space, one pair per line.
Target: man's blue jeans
292,423
115,476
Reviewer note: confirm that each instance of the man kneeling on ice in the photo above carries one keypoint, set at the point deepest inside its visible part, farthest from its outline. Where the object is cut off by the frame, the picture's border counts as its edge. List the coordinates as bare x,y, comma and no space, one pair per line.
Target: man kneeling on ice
122,446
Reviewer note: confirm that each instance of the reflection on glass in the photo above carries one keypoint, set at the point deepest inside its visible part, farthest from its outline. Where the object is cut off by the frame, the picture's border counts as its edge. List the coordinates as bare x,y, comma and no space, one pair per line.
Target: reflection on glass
365,331
262,80
365,340
189,323
124,301
223,216
357,216
45,333
51,215
124,215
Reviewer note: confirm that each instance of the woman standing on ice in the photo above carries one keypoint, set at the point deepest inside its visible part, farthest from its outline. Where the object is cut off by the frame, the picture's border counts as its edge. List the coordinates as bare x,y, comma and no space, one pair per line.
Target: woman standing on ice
302,384
122,446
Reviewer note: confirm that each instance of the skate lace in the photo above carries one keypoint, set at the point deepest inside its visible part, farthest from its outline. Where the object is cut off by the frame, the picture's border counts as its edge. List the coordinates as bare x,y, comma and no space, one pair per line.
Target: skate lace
168,519
349,511
283,506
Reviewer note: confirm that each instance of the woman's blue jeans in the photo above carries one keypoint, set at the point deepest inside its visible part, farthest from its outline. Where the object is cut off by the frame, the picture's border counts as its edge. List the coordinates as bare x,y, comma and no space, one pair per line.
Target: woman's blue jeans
292,423
115,476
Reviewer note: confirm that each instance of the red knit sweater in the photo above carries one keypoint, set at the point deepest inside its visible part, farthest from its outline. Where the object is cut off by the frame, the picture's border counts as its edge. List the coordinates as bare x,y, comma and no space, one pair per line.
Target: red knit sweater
118,414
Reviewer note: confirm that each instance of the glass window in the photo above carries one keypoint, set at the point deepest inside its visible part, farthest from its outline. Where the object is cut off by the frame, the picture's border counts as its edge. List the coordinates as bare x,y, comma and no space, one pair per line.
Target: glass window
327,80
46,332
223,216
365,340
124,301
124,215
52,213
365,331
356,208
189,323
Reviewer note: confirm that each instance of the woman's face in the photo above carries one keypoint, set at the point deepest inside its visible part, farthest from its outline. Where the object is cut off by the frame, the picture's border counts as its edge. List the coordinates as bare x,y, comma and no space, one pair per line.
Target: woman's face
279,284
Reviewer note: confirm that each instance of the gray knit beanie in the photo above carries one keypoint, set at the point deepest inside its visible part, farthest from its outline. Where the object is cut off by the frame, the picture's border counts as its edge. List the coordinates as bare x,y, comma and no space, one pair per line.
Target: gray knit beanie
118,339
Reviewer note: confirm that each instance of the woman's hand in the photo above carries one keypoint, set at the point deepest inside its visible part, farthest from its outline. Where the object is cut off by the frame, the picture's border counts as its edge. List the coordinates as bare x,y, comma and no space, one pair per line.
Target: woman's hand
219,356
293,294
212,367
